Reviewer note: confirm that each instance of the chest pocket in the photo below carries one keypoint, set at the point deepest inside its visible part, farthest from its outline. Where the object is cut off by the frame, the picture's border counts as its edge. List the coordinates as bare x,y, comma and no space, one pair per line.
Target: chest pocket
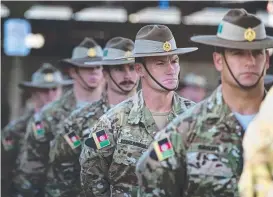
212,169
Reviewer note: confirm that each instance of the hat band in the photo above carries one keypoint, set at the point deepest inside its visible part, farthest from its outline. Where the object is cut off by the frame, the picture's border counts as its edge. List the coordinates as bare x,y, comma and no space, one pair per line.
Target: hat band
82,52
229,31
151,46
111,53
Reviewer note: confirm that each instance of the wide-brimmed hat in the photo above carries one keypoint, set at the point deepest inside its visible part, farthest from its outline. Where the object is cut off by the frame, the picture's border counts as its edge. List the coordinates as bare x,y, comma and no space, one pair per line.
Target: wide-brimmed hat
238,30
45,77
156,40
117,47
87,51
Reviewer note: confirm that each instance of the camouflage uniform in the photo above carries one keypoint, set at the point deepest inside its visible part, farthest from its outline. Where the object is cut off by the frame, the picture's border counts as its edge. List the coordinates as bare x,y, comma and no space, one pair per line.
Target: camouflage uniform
197,154
11,138
123,133
64,175
40,132
257,179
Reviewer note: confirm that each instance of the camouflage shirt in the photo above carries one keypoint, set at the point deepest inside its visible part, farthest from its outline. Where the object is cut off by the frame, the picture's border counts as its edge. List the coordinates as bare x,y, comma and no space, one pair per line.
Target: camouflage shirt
41,131
12,138
198,154
64,174
116,142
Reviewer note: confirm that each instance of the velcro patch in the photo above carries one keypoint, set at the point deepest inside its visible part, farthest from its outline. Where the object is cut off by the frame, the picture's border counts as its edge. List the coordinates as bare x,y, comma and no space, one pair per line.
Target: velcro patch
72,139
101,139
163,149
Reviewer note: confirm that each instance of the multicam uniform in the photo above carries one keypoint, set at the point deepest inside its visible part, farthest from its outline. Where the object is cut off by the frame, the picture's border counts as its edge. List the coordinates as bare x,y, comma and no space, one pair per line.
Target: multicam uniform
117,141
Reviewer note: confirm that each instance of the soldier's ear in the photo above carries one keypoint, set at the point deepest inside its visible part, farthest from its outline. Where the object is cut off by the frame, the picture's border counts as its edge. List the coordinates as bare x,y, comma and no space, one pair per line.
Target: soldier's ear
139,69
218,61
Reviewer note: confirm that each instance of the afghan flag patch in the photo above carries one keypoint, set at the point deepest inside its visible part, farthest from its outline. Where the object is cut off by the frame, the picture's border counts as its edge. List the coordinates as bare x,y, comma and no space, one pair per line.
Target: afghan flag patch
163,149
38,129
72,139
101,139
8,144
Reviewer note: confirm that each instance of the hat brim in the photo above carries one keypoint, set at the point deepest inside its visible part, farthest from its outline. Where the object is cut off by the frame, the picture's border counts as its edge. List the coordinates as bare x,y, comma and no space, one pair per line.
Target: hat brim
178,51
81,62
113,62
29,85
213,40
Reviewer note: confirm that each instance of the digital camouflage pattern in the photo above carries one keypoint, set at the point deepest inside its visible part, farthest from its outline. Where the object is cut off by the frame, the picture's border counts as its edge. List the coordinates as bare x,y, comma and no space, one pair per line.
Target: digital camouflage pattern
130,128
12,137
257,176
38,141
207,160
64,162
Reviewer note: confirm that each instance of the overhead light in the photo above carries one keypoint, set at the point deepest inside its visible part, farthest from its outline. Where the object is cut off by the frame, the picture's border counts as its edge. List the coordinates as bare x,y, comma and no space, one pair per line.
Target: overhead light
49,12
35,41
4,11
102,14
170,15
206,16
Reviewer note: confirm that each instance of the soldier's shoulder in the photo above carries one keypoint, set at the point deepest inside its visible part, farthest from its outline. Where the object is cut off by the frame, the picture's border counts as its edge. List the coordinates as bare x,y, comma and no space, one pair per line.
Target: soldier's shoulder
122,108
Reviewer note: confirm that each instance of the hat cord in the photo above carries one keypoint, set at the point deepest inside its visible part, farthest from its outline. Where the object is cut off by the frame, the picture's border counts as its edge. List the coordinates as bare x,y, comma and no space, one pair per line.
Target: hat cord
168,89
125,91
239,84
86,86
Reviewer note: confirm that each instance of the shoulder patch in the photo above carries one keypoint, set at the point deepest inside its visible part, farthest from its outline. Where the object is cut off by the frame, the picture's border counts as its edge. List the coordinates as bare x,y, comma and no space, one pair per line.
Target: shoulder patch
72,139
8,144
38,129
163,149
101,139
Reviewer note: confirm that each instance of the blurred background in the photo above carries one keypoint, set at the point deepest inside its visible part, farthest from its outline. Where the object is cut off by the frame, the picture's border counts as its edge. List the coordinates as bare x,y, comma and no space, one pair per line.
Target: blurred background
51,29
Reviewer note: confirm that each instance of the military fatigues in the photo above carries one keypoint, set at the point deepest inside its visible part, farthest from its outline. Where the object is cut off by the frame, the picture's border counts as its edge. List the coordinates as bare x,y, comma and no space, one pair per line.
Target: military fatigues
64,175
121,135
11,143
40,133
207,141
257,179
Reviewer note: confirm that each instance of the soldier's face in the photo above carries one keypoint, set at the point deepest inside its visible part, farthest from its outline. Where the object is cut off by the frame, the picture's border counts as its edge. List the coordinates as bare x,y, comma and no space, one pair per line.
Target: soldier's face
92,76
45,96
246,65
124,75
164,69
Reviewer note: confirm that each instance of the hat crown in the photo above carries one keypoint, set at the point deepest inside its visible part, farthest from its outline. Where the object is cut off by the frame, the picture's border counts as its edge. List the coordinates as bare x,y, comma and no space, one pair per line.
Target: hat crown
87,48
159,33
46,74
117,47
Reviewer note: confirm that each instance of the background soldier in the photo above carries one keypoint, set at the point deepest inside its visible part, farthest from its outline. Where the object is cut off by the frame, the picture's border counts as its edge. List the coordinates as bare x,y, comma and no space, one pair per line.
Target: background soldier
44,88
203,147
44,126
121,79
121,135
193,87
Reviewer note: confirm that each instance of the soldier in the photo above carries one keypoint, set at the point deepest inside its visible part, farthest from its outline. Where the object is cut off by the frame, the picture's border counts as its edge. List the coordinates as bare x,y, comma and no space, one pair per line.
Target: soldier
44,88
193,87
257,179
45,125
120,136
121,79
200,152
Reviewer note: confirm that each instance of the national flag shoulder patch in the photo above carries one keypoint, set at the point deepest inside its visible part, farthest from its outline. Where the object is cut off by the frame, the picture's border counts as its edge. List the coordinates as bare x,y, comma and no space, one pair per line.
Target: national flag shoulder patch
163,149
101,139
38,129
8,144
72,139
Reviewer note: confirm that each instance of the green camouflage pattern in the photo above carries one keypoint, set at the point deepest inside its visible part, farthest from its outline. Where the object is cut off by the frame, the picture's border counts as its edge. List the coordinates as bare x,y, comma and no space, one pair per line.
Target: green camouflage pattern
64,175
130,127
34,160
207,161
12,137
